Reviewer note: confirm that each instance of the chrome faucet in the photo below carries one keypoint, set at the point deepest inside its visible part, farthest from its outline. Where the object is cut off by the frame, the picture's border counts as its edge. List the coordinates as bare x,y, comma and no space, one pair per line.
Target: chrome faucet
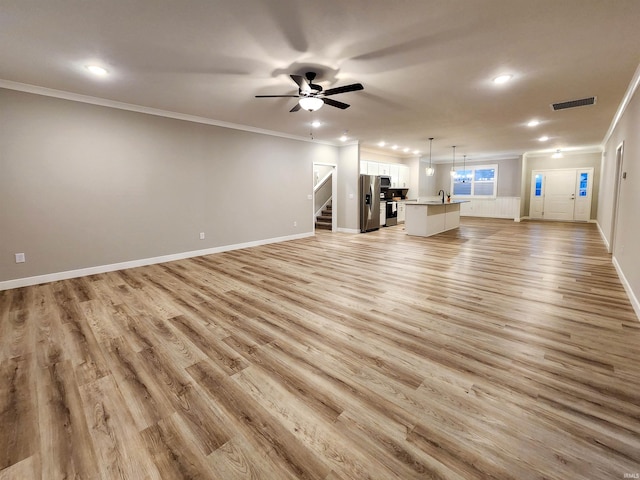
441,192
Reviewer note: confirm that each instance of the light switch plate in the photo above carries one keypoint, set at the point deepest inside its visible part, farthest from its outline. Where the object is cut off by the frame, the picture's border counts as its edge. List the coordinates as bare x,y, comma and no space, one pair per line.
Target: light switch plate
20,258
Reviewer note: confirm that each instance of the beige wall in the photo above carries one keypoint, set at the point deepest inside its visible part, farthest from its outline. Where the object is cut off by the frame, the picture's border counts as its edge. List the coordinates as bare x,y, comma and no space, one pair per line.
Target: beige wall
509,176
625,247
348,175
84,185
371,156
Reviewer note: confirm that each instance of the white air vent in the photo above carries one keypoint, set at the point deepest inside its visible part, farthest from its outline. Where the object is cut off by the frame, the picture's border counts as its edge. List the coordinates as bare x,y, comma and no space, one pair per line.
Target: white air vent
583,102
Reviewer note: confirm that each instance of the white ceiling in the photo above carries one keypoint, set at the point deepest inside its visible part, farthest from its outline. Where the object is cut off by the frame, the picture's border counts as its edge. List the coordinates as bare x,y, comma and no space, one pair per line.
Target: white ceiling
426,65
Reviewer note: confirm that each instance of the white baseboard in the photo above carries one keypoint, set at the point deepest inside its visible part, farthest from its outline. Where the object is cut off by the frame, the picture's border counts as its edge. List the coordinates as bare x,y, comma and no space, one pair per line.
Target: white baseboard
348,230
632,297
604,238
82,272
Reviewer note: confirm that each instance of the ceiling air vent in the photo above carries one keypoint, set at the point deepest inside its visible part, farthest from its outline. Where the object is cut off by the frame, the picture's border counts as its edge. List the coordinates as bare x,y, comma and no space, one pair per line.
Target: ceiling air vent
583,102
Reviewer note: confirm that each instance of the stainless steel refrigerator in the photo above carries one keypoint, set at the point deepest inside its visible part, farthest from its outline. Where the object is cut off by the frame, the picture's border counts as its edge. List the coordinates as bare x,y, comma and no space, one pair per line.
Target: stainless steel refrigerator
369,203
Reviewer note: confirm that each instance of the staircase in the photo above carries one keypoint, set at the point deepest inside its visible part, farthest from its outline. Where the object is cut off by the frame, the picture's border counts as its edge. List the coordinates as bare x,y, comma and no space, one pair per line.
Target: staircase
323,221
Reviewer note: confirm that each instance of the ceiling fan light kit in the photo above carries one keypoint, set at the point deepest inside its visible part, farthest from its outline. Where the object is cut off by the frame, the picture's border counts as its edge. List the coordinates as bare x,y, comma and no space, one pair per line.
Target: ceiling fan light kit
311,103
312,97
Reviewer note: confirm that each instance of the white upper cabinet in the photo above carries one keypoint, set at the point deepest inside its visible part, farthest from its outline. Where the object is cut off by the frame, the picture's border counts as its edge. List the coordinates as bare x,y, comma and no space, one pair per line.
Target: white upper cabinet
394,172
404,176
400,174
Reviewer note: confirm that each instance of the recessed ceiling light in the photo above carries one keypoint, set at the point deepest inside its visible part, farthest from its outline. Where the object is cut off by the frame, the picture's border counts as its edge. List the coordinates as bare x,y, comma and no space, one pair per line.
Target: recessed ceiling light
97,70
533,123
502,79
395,147
343,138
382,144
406,150
416,152
316,123
543,138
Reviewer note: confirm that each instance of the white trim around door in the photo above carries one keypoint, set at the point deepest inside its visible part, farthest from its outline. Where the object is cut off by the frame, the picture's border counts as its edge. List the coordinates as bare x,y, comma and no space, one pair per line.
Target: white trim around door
563,194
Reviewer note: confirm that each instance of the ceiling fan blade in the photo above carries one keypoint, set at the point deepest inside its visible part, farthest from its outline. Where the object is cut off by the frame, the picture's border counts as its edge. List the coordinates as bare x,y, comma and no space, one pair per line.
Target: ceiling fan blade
344,89
310,77
302,83
277,96
295,108
335,103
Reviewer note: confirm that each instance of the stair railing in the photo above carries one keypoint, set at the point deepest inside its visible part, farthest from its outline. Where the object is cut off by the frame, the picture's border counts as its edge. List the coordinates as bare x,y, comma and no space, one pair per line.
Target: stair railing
323,193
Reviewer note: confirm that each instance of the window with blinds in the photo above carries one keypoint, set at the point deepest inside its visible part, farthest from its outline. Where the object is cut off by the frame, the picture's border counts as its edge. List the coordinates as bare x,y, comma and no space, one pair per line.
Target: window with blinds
476,181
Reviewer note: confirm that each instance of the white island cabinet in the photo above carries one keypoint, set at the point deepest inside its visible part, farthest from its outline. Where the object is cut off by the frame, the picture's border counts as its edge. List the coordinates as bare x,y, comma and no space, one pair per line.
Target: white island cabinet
424,219
402,212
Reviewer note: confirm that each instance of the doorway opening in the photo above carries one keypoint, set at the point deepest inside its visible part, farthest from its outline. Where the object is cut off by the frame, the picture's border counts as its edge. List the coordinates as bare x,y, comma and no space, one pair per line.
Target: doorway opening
616,195
324,197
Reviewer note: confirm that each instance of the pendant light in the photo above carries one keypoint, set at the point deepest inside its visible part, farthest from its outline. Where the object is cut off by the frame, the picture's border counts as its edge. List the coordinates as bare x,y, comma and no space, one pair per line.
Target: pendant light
464,168
430,170
453,165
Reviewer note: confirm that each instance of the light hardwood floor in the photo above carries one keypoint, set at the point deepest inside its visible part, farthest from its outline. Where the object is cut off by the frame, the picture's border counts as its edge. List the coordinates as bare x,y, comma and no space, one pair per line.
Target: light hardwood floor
500,350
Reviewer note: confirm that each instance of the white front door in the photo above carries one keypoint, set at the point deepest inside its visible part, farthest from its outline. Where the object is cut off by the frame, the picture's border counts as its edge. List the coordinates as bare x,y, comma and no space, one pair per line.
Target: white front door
563,194
559,194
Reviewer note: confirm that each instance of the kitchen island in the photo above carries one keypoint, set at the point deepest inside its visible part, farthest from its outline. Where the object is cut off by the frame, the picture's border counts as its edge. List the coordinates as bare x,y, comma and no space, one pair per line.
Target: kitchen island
428,218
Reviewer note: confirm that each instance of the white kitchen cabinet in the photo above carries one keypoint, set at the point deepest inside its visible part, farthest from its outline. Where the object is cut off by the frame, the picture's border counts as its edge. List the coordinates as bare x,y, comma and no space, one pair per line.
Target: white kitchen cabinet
394,173
403,176
401,212
400,174
429,218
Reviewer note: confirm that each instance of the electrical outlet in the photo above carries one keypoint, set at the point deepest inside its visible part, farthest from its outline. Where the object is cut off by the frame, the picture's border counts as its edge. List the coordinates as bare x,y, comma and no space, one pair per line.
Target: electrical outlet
201,235
309,197
295,224
20,258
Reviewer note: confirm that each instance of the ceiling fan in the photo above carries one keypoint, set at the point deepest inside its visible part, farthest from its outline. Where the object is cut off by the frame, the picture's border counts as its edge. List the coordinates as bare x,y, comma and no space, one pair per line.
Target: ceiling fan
311,96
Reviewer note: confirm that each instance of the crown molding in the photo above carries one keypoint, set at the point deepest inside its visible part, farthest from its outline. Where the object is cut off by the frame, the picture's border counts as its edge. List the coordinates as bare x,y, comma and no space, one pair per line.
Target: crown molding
103,102
631,90
392,154
565,151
